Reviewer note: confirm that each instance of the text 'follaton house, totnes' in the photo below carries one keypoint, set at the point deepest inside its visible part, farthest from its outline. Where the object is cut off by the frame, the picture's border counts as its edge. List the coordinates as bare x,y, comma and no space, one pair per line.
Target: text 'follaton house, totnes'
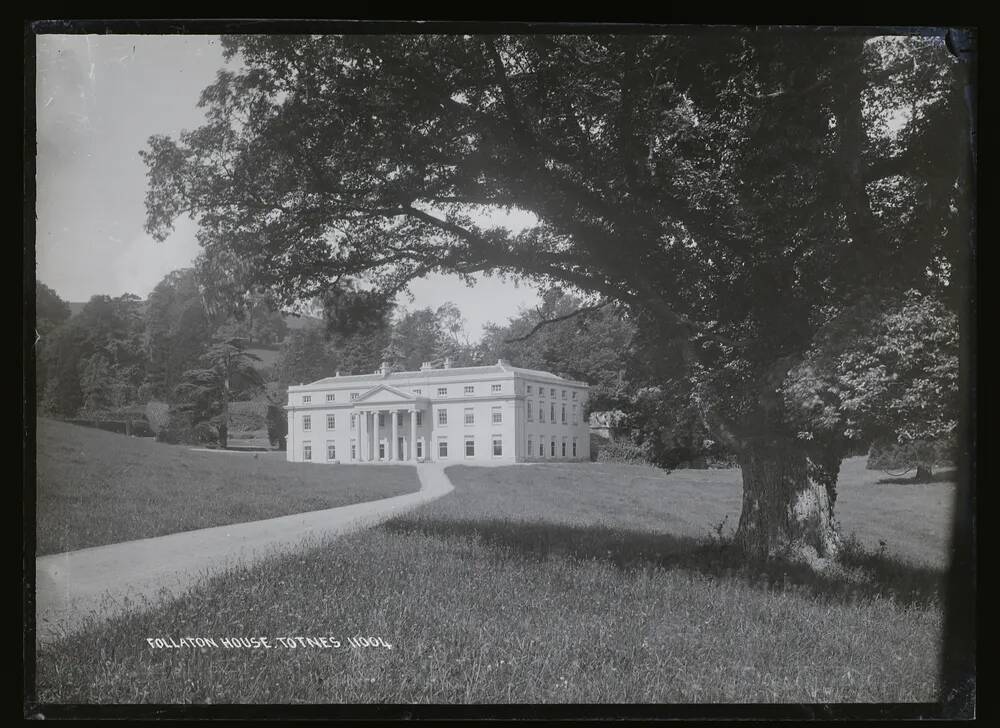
494,413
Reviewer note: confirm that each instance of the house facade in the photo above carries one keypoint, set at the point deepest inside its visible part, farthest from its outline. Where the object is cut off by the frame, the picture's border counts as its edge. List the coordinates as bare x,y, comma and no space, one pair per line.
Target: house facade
496,413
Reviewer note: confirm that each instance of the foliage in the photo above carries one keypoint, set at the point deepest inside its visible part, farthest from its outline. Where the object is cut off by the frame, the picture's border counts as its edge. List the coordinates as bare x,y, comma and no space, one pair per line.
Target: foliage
177,330
158,415
50,310
922,454
622,452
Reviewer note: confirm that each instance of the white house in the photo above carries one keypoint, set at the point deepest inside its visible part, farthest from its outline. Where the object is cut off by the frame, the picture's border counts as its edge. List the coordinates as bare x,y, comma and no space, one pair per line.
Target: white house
494,413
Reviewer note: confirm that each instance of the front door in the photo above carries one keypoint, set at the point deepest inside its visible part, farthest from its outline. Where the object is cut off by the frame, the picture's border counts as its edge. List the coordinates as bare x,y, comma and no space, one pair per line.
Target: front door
399,449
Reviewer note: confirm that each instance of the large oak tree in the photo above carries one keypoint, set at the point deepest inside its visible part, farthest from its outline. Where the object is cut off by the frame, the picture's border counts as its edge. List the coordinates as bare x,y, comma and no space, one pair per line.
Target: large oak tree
734,192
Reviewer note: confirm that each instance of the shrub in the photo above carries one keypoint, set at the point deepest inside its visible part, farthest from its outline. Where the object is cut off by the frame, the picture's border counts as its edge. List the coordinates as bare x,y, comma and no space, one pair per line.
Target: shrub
623,452
157,414
179,429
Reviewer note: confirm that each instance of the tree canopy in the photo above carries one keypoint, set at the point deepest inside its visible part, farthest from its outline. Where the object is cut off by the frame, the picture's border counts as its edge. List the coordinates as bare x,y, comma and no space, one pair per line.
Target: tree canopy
736,192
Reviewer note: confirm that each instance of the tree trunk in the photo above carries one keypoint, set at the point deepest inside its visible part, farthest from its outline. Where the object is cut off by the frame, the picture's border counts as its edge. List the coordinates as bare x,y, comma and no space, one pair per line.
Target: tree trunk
787,505
923,474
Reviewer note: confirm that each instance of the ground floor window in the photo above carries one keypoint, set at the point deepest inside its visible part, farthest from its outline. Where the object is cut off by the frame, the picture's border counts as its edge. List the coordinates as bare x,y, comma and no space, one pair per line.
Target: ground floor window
470,447
541,447
574,447
442,448
564,448
354,450
531,446
307,451
553,448
497,446
331,451
381,451
420,448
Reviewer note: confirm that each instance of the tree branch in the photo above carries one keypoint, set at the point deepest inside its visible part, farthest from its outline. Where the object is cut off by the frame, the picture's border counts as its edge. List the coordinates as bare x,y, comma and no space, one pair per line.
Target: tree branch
557,319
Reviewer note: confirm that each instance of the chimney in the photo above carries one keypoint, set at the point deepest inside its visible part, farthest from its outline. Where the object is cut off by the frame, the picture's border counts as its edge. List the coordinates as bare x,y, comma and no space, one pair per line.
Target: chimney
384,371
425,366
447,362
502,363
337,374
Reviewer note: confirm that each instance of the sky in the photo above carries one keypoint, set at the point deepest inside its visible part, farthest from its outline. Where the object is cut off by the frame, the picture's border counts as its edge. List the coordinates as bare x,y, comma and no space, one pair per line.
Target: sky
99,98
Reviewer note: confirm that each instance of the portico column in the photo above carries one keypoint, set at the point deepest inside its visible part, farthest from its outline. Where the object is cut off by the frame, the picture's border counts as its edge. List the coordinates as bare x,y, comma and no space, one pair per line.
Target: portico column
371,434
413,434
395,435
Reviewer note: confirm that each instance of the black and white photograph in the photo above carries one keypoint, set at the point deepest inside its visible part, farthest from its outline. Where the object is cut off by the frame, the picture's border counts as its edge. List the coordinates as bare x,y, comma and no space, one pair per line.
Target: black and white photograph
494,364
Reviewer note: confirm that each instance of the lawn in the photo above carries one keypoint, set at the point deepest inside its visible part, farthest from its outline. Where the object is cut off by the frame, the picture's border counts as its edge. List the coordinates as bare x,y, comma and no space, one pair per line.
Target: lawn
551,583
96,487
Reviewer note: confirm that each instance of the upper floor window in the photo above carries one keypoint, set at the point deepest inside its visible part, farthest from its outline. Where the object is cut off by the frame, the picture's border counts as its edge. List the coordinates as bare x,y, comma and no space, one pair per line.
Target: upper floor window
552,412
331,422
307,422
531,411
541,412
541,391
381,419
575,420
529,389
307,399
442,391
564,394
469,389
564,414
497,415
331,397
552,392
496,387
420,418
442,417
470,416
399,419
574,395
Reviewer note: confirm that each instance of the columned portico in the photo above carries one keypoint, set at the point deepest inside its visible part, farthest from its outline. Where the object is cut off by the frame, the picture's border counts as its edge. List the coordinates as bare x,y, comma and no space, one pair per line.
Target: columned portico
387,401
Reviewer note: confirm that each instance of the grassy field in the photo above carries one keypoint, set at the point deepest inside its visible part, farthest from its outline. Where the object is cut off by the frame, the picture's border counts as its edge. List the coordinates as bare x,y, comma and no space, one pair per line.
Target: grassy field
551,583
96,487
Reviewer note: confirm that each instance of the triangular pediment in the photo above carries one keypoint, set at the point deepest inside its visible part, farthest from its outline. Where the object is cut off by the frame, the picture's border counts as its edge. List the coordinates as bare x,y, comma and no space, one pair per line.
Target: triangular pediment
386,394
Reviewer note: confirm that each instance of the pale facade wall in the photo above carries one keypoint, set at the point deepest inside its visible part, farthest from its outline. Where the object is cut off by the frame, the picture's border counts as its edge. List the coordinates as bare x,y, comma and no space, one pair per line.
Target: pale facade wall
514,429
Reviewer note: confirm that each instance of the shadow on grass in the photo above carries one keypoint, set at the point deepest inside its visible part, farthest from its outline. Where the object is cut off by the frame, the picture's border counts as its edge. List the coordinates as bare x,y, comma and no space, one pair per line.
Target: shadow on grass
941,476
858,575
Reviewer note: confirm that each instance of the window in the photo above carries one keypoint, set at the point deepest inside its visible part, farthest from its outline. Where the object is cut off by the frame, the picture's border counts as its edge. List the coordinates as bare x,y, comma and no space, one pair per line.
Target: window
420,448
574,395
529,389
470,447
399,419
354,395
307,451
564,448
497,415
541,391
564,394
531,446
574,447
307,399
442,416
331,397
442,448
541,447
381,419
541,412
442,391
354,420
416,391
531,411
381,451
553,448
552,412
331,450
575,421
354,450
496,387
470,416
564,414
420,419
469,389
497,446
331,422
553,393
307,423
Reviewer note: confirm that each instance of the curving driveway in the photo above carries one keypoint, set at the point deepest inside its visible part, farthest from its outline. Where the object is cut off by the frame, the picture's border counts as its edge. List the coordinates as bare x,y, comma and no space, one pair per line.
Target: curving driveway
103,580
